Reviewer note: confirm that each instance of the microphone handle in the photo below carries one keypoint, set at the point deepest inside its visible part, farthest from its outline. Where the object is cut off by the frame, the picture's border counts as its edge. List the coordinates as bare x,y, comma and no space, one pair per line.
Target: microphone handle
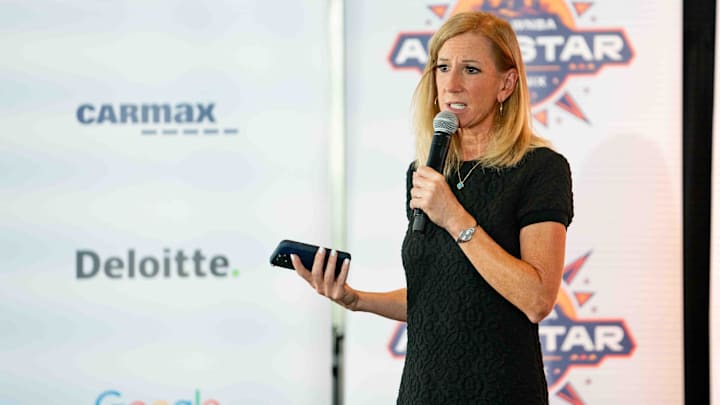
436,160
419,221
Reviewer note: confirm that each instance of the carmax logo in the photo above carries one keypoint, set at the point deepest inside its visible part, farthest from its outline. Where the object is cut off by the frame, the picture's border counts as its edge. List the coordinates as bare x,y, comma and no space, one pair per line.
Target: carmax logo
186,118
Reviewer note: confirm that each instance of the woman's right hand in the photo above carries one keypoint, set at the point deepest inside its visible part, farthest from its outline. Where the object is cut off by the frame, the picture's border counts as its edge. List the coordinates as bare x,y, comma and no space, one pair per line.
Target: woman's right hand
324,281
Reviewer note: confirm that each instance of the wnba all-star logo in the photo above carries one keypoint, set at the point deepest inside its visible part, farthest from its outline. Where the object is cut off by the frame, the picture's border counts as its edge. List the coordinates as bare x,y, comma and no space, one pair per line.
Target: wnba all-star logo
568,340
553,48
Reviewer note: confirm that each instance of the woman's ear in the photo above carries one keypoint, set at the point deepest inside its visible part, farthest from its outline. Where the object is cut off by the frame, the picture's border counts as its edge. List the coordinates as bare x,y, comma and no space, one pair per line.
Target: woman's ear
509,83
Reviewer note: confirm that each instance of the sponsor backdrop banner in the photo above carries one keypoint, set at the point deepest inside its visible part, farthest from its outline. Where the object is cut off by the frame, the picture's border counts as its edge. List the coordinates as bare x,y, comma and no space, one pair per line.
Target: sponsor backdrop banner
606,84
153,154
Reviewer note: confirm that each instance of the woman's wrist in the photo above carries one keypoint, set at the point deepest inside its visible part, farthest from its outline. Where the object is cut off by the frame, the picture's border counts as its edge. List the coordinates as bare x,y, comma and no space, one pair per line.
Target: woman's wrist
350,301
459,224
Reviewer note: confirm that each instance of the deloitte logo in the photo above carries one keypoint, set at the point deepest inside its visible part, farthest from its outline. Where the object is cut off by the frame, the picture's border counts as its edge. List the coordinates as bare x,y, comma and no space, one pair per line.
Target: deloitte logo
185,118
89,264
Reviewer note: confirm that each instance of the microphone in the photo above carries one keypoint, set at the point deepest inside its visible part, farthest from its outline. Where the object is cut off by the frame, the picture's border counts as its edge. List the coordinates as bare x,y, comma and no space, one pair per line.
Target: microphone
445,124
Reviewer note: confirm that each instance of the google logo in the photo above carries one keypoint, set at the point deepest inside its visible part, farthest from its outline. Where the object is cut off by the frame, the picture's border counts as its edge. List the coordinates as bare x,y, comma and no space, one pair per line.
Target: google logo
110,397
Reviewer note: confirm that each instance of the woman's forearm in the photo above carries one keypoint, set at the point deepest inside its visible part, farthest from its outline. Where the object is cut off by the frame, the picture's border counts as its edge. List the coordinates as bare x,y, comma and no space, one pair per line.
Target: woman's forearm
391,304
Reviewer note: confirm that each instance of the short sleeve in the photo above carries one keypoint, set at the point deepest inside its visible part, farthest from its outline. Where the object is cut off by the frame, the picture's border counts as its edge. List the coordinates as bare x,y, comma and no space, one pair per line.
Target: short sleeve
547,195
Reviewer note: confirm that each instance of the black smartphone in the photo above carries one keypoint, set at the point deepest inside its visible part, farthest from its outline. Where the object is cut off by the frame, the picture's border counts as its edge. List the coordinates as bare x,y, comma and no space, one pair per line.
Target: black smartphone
306,252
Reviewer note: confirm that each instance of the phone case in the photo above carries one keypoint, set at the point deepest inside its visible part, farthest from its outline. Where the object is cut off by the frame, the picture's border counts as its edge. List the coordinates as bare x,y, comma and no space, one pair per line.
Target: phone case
281,256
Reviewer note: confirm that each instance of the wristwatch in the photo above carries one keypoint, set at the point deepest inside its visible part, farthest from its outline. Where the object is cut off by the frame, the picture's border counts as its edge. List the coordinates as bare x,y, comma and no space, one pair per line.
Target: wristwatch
466,235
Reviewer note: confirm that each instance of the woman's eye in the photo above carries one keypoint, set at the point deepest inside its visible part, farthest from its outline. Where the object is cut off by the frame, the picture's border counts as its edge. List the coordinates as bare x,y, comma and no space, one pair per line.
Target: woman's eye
442,68
472,70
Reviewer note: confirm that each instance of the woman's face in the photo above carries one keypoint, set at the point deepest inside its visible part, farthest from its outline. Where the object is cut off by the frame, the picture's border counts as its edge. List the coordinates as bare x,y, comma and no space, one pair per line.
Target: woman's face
468,83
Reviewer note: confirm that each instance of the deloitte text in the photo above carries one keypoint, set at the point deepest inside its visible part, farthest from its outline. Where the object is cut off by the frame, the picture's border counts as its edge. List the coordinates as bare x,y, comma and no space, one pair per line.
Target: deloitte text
177,264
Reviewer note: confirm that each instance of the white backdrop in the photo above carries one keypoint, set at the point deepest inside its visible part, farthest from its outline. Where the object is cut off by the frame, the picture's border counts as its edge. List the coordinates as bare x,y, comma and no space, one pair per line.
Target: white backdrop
614,111
239,164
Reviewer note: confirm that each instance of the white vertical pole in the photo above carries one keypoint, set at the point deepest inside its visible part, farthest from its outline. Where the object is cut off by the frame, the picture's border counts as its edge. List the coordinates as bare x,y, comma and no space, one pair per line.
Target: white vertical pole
336,161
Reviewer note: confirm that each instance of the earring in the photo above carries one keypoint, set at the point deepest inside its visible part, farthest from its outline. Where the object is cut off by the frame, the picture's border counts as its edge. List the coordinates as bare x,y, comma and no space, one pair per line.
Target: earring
435,102
502,103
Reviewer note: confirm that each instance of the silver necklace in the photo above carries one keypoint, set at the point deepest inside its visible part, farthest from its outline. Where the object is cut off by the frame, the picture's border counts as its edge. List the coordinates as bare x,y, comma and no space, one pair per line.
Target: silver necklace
461,182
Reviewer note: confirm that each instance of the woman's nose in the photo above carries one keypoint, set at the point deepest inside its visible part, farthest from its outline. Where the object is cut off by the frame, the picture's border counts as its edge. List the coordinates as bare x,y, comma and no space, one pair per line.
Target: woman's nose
454,82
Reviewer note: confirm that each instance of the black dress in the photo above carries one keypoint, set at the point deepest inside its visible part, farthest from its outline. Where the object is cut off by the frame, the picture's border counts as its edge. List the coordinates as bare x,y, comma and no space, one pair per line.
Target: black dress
466,343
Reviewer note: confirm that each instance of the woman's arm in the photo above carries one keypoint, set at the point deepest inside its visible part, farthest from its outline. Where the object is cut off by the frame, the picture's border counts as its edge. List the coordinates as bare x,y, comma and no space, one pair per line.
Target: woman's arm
391,304
531,283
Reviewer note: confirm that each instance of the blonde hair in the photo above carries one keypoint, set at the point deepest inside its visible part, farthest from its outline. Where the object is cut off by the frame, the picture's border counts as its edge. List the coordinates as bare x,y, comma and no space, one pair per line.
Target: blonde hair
511,136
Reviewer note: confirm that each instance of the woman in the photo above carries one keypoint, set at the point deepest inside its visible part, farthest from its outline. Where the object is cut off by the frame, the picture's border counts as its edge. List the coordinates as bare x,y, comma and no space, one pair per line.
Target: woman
487,269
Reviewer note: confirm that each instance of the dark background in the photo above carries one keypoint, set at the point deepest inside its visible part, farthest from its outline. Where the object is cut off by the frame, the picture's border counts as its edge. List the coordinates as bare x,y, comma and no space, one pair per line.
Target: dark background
698,71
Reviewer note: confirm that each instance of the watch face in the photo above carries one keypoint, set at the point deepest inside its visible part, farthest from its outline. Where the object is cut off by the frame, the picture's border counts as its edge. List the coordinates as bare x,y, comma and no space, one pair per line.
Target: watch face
466,234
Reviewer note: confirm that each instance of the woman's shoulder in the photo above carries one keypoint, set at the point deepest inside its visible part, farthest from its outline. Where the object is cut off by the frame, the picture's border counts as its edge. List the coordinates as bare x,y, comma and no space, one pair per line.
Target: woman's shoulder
544,158
544,154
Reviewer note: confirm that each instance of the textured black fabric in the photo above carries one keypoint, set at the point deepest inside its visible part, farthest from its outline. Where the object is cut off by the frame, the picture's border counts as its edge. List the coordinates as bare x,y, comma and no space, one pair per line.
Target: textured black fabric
466,343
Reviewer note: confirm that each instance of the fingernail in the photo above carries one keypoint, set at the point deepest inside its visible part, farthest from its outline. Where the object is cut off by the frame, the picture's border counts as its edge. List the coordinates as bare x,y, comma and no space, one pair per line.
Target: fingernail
333,252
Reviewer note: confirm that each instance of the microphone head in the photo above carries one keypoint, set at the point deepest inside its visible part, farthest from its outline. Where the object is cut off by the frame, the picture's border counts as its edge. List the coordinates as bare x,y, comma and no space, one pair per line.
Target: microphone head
445,121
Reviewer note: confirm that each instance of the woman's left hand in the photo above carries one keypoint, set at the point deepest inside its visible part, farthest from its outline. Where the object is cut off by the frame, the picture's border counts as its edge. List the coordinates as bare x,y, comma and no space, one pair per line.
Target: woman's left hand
431,193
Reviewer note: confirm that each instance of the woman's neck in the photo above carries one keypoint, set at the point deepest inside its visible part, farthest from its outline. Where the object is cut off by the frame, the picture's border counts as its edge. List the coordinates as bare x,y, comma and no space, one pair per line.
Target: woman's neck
472,144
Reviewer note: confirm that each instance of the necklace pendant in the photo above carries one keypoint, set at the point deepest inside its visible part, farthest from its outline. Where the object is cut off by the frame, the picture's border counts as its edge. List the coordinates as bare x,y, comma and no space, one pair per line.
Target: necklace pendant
461,182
